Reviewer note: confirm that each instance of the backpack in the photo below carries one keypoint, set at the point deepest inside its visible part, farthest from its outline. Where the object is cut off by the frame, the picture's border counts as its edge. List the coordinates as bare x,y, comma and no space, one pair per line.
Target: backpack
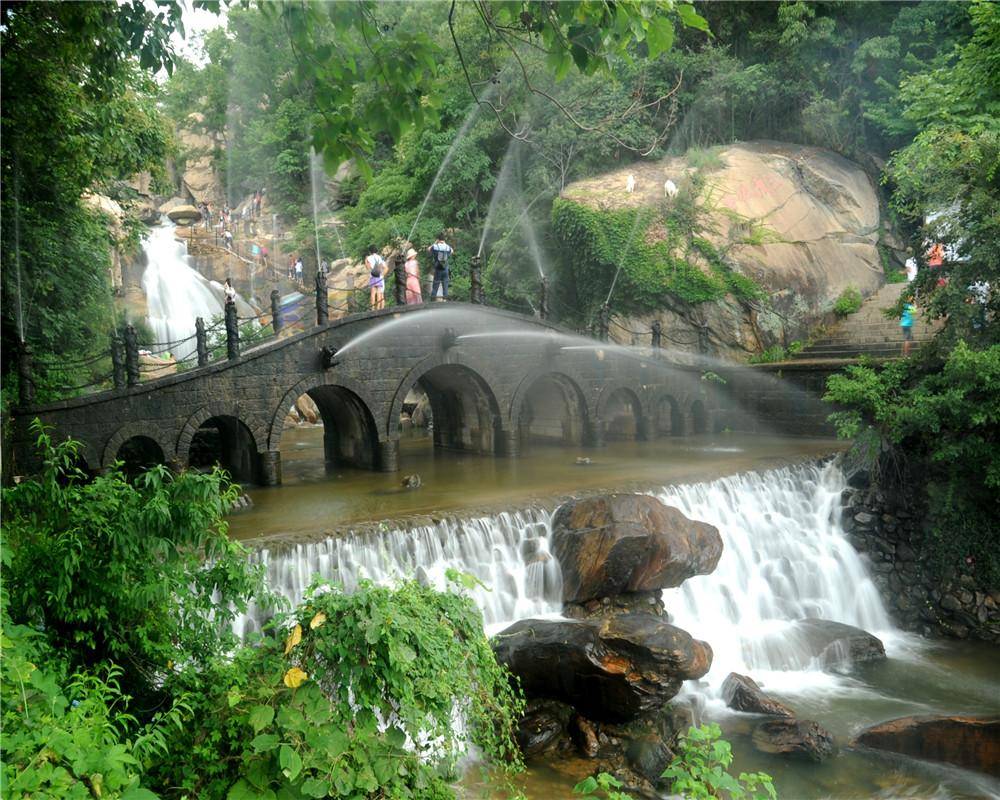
440,258
376,262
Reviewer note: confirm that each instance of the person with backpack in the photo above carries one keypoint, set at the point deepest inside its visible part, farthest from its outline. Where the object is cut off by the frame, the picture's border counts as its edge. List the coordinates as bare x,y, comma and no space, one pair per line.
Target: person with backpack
440,252
376,280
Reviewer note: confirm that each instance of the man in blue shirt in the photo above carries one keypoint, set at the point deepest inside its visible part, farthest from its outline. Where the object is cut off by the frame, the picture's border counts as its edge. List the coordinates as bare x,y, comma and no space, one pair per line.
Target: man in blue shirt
440,252
906,324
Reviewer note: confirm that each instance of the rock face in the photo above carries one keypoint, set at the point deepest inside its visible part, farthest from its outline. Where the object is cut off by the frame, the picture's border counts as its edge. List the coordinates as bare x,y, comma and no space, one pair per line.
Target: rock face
794,737
199,180
628,543
611,670
835,644
742,693
969,742
801,221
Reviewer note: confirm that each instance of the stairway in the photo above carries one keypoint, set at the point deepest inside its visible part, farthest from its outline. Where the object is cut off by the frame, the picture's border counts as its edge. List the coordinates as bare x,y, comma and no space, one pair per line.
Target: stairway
869,333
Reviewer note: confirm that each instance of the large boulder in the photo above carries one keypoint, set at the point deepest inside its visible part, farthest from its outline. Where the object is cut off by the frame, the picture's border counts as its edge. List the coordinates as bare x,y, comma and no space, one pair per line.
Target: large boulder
965,741
834,644
801,221
620,543
742,693
200,181
793,737
610,670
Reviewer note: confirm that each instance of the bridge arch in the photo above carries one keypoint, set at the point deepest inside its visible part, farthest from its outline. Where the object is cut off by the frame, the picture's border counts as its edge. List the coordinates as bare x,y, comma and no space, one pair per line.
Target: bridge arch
223,433
463,402
143,447
667,417
550,406
351,432
620,412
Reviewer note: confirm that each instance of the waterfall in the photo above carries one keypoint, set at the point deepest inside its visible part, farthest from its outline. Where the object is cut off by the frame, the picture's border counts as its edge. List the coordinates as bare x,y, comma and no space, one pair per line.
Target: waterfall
175,292
785,558
508,553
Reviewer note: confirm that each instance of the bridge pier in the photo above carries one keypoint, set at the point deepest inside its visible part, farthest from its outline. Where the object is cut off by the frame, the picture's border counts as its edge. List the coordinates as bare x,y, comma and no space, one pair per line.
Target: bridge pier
270,468
509,444
388,455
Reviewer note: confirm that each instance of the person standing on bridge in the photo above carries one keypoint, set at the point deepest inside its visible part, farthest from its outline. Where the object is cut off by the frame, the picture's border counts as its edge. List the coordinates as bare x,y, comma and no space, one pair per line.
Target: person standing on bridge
299,268
440,252
376,278
230,291
412,269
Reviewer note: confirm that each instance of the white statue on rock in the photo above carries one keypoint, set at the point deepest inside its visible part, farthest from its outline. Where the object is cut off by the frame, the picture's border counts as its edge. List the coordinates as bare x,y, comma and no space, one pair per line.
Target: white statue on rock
670,189
630,184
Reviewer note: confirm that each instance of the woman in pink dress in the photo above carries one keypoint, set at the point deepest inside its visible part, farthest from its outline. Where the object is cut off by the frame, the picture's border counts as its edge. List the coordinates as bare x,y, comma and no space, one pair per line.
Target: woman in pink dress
413,295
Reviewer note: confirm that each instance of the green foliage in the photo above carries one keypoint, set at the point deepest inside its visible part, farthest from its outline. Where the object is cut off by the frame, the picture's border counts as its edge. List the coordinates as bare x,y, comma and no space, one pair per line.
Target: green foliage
942,420
141,573
604,785
655,254
848,302
70,738
951,169
700,769
359,699
119,589
777,353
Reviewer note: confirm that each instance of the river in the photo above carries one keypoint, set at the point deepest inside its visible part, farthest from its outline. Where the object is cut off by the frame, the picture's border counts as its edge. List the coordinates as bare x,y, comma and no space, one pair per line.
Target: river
786,557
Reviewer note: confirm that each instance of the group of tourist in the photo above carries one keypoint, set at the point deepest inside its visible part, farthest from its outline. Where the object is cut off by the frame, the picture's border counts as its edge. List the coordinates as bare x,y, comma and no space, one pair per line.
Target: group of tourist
439,253
978,292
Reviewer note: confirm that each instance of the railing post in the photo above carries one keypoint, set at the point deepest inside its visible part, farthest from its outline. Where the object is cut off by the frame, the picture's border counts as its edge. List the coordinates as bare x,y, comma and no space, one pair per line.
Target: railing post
276,321
26,380
118,359
232,332
476,281
543,298
603,322
399,276
131,355
322,299
201,341
656,335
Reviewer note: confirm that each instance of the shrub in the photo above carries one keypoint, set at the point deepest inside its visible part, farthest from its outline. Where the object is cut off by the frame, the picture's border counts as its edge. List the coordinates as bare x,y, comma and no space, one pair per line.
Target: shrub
940,420
849,302
359,699
700,769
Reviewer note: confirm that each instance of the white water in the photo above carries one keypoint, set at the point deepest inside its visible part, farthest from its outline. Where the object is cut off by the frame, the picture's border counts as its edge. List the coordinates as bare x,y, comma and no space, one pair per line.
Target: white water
785,558
175,292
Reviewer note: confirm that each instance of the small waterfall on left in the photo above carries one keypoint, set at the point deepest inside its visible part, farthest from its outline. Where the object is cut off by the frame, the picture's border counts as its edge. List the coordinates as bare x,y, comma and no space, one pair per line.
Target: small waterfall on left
175,292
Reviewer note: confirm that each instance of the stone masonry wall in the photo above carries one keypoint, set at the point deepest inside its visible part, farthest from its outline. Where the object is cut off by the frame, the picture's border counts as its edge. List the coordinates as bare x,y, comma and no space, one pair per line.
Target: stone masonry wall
890,528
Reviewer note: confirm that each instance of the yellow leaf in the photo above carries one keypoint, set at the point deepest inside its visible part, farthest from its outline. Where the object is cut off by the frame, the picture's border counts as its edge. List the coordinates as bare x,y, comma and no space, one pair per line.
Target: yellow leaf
318,620
293,639
294,678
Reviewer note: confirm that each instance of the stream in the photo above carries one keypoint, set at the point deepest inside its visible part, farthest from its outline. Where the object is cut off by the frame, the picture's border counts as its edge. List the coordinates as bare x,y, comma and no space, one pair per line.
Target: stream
786,557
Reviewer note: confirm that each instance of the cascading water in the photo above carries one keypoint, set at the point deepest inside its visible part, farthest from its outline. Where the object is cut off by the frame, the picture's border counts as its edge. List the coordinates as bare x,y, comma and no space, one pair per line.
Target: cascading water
508,553
786,558
175,293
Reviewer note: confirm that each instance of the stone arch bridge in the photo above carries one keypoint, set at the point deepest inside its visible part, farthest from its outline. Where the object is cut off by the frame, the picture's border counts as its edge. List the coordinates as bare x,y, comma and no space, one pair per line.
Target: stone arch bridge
495,381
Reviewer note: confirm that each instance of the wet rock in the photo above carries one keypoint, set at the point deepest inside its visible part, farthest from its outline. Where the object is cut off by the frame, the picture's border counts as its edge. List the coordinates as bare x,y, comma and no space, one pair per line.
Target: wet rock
412,482
951,603
582,732
965,741
793,737
864,519
619,543
583,461
543,727
307,410
742,693
628,603
835,644
610,669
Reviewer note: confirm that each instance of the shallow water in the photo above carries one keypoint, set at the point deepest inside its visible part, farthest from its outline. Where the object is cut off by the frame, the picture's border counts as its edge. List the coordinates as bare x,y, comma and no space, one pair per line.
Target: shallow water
312,500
